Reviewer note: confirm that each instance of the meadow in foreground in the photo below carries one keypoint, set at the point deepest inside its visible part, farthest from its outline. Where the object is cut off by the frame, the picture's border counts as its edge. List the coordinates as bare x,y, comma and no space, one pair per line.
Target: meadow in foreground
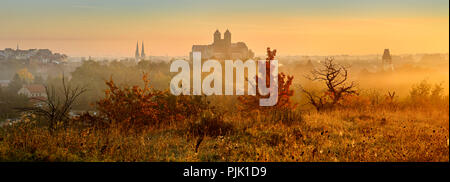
341,135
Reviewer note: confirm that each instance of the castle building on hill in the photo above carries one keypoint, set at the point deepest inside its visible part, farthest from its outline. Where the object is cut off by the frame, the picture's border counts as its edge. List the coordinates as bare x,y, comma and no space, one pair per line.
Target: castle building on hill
223,49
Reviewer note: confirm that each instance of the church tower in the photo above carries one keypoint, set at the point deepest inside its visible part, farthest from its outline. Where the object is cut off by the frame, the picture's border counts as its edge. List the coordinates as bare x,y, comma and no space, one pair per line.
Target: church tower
227,44
136,56
142,52
227,37
386,61
217,36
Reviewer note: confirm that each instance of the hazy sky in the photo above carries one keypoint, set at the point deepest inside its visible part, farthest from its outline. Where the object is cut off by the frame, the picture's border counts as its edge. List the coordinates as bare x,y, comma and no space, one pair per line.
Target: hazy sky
294,27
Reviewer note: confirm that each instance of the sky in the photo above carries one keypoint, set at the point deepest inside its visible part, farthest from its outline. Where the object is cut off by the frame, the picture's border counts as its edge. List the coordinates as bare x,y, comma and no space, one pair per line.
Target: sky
111,28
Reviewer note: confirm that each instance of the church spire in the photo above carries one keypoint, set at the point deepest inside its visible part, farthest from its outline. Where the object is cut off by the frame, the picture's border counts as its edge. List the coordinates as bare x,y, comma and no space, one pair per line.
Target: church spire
137,51
142,52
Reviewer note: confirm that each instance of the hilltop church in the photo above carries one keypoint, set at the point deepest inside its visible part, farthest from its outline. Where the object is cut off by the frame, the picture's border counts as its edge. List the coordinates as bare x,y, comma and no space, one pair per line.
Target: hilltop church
222,49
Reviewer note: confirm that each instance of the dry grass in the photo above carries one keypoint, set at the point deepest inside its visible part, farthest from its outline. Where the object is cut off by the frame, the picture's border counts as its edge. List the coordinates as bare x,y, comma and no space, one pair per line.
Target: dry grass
340,135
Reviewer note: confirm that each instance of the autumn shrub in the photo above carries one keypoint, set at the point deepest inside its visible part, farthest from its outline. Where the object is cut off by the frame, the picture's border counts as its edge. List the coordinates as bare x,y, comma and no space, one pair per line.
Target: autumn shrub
249,103
135,107
426,95
188,106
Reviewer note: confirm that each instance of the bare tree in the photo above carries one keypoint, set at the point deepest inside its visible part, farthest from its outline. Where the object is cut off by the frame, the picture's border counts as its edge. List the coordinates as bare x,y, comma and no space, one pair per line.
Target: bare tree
335,77
57,105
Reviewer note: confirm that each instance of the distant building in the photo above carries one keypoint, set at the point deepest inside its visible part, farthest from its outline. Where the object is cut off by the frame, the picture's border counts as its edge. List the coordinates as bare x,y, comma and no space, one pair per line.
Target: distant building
142,52
138,56
33,91
4,83
223,49
39,55
309,64
386,61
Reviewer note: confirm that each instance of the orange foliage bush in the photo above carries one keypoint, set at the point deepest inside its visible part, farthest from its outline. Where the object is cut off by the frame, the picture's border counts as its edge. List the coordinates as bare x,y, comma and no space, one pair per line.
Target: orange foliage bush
251,103
134,106
189,106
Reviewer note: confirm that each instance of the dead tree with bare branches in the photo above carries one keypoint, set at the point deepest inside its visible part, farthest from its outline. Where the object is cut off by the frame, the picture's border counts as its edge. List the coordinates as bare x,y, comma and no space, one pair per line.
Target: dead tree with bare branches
57,105
335,77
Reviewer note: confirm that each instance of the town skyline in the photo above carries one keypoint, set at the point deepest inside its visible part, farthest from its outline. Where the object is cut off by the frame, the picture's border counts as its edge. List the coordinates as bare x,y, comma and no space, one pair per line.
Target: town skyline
187,55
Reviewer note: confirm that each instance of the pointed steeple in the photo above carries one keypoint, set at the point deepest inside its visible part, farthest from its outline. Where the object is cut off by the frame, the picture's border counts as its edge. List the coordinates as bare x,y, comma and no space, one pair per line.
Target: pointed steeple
137,51
142,52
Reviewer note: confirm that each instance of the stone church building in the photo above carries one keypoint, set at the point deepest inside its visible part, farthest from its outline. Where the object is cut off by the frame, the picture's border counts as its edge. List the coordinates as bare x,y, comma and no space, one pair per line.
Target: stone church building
223,49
